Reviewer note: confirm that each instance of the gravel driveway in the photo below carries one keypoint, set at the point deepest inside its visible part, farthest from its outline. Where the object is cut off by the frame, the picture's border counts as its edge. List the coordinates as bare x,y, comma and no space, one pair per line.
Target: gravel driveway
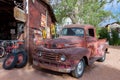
108,70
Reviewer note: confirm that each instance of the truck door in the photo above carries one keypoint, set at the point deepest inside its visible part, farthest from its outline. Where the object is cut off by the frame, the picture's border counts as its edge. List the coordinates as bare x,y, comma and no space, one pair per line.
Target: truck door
92,42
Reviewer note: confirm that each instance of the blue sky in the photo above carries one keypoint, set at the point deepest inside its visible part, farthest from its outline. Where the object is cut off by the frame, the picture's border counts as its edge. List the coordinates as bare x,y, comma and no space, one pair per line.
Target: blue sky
114,7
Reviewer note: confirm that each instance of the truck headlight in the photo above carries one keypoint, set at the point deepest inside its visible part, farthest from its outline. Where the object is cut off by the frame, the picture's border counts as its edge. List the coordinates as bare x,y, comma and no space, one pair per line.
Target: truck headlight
63,58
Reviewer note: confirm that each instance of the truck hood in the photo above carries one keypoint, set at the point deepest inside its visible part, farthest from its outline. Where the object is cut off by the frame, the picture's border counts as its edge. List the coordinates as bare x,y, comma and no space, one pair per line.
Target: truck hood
66,39
69,40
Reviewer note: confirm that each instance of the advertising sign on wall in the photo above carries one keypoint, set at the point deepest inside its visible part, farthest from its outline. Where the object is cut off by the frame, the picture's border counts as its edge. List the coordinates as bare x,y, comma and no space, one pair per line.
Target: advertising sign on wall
37,37
44,34
43,20
52,29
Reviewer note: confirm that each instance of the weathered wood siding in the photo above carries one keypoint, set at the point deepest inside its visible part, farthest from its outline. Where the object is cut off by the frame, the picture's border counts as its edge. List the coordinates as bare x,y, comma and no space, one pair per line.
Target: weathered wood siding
35,10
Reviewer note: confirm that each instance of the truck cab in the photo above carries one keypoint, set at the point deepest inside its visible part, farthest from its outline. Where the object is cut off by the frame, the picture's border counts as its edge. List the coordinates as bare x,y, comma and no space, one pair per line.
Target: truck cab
77,47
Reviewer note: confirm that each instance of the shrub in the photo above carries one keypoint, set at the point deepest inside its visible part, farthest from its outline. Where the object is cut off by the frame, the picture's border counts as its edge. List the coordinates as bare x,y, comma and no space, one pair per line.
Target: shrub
114,40
104,34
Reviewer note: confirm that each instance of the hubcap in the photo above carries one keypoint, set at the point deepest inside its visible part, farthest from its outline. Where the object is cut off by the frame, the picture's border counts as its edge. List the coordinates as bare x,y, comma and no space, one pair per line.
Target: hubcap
20,58
9,60
80,67
103,56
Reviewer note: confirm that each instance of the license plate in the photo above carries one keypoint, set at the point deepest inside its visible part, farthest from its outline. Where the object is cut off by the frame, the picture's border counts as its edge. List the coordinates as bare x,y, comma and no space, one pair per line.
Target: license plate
35,62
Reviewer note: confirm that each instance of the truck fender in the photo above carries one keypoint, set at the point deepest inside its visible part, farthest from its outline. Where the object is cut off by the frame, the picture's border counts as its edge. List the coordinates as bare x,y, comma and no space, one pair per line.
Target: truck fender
80,53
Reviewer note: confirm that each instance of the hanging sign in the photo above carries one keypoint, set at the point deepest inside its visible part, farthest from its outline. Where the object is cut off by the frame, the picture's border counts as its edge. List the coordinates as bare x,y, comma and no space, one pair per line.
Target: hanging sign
19,14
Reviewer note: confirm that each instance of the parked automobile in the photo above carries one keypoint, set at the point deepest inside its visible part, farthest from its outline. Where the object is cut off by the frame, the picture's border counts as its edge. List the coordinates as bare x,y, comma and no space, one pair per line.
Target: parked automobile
75,48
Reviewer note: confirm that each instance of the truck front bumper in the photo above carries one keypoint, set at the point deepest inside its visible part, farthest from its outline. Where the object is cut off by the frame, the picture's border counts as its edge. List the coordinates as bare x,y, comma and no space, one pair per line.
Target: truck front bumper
59,67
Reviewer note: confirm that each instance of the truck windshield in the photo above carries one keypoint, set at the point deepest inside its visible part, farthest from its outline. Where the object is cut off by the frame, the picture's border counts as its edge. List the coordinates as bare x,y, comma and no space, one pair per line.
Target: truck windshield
73,32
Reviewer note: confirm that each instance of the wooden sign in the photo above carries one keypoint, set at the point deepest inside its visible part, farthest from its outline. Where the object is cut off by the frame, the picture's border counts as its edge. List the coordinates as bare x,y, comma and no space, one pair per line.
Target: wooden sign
19,14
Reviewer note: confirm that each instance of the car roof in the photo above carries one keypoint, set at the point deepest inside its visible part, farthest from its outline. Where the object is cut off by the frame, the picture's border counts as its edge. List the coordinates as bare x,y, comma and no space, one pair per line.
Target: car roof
85,26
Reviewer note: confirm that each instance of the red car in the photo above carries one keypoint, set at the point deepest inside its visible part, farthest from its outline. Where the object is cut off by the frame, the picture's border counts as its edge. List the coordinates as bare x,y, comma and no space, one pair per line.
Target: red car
76,48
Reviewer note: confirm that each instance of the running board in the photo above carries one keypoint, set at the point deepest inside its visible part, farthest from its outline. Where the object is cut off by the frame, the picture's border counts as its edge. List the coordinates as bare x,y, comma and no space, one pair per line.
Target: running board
93,59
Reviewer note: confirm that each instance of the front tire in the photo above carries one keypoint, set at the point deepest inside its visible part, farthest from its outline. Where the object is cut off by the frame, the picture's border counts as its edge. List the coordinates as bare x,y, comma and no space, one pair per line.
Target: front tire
79,69
10,61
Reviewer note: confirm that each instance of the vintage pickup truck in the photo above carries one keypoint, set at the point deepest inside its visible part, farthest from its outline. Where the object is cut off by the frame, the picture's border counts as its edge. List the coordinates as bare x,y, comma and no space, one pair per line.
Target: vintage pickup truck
76,47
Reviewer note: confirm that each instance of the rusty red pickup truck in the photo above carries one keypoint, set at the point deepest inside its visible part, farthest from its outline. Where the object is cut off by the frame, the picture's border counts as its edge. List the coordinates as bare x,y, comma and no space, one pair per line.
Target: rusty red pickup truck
75,48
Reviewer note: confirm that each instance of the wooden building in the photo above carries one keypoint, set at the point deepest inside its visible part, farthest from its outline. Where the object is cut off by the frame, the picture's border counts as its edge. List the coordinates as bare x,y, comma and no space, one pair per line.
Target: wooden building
41,17
40,23
8,24
35,16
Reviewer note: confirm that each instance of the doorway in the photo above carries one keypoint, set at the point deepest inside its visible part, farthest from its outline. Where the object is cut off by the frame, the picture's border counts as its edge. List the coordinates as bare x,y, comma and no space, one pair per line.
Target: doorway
9,27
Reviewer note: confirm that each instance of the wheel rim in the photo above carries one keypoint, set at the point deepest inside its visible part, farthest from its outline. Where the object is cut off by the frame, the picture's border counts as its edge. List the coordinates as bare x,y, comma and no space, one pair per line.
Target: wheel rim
9,61
80,67
20,58
104,56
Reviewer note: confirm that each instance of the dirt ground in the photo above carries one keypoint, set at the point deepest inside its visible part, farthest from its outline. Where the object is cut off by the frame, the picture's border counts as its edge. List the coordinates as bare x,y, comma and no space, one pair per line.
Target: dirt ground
108,70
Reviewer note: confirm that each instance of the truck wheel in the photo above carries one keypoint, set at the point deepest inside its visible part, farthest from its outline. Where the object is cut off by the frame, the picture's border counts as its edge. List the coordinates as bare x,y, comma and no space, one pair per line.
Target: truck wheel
22,59
102,58
10,61
79,69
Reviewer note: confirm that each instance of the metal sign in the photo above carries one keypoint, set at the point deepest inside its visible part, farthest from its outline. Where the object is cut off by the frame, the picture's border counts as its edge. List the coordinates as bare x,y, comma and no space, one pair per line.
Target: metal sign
44,34
52,29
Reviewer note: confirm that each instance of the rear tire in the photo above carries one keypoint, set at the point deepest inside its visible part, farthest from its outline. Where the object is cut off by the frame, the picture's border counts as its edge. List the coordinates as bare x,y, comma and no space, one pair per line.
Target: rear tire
10,61
79,69
22,59
102,59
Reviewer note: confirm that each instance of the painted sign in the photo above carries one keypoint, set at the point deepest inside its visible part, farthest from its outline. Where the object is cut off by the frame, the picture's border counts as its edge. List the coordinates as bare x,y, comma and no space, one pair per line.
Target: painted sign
48,32
19,14
37,37
43,20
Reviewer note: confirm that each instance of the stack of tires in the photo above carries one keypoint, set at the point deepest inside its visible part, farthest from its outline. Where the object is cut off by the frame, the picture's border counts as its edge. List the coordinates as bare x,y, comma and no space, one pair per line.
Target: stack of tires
17,60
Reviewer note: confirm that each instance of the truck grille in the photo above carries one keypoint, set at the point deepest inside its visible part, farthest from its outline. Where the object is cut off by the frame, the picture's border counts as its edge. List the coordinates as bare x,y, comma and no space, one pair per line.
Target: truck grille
51,56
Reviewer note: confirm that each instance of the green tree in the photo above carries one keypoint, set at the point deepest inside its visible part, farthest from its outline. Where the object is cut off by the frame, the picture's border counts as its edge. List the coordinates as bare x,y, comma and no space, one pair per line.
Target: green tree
81,11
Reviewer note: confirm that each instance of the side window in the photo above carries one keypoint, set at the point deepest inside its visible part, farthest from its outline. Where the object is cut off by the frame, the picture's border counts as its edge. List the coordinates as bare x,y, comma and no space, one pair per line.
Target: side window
64,31
91,32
